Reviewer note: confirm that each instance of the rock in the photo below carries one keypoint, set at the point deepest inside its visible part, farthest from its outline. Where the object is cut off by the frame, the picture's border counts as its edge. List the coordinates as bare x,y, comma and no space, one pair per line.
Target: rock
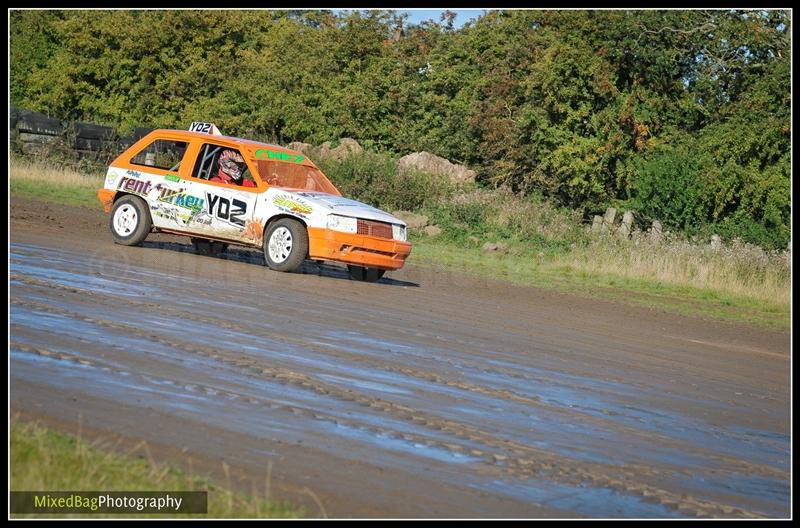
625,227
303,148
433,230
412,220
499,247
716,242
655,231
597,224
433,164
346,147
608,218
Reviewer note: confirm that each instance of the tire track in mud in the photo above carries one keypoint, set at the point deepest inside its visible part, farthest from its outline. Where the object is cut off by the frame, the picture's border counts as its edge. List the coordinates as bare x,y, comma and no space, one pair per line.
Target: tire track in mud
507,456
387,365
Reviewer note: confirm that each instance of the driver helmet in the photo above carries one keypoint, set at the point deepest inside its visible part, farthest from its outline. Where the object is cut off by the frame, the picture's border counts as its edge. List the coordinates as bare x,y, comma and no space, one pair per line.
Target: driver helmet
232,164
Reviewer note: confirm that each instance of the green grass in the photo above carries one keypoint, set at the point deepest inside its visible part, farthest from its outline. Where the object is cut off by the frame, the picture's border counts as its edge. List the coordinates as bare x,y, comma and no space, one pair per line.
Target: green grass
548,272
83,196
45,460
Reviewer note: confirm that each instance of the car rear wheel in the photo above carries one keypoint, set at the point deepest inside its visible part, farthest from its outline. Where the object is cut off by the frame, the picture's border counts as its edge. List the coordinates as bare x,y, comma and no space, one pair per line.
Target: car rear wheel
285,245
361,273
203,246
130,221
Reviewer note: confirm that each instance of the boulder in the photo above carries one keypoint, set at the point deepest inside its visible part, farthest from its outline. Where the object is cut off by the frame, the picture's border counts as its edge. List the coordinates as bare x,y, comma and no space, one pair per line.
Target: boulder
608,218
597,224
655,231
499,247
347,147
625,227
303,148
412,220
433,164
433,230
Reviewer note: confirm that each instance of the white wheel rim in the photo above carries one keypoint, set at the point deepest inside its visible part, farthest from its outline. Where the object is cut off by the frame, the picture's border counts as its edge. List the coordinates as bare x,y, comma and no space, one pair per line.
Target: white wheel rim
125,220
280,245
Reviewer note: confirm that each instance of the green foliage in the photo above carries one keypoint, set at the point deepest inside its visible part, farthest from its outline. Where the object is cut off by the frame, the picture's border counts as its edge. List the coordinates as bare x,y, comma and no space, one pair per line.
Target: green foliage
669,188
374,179
572,104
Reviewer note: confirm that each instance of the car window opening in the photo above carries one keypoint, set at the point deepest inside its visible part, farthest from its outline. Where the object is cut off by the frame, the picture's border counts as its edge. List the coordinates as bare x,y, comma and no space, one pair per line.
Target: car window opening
294,176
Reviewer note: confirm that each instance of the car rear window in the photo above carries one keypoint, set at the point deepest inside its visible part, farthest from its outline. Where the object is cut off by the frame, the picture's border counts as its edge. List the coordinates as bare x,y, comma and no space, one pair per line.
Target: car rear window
161,154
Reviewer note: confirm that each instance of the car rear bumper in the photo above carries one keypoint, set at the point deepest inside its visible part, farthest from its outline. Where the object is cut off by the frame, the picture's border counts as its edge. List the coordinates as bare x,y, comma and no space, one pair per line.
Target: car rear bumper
362,250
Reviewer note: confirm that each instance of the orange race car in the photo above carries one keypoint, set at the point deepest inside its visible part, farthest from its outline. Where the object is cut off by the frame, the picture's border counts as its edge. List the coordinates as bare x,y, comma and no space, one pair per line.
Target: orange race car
222,190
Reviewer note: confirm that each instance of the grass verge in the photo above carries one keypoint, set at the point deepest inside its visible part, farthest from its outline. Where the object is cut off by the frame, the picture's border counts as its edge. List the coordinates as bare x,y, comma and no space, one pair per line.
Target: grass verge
45,460
54,183
561,274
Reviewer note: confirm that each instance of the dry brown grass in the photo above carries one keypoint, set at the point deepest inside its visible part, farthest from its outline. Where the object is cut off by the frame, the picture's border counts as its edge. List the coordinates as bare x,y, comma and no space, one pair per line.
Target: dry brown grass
54,173
734,268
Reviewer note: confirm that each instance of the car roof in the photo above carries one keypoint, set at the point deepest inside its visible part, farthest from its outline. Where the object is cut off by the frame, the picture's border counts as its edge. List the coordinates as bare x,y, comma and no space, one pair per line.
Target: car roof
250,144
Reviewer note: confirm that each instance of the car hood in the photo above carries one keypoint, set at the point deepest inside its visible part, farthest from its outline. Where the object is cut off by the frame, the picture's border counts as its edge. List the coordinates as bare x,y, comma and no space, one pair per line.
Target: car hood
347,207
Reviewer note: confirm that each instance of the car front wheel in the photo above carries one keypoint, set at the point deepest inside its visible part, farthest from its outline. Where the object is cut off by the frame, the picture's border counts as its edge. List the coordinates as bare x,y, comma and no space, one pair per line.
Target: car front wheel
130,221
285,245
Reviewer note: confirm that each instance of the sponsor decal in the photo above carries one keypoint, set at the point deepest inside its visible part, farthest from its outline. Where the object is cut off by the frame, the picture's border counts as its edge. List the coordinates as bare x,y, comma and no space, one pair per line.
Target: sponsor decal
231,211
294,206
172,177
254,230
167,212
111,177
201,218
134,186
179,198
172,213
280,156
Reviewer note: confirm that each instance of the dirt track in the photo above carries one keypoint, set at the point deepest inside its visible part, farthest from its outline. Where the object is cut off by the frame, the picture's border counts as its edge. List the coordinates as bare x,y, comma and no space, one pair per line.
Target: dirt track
428,394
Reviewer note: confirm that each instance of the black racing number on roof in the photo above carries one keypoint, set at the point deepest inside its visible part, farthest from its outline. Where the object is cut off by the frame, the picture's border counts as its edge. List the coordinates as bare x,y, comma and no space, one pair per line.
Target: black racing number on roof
197,126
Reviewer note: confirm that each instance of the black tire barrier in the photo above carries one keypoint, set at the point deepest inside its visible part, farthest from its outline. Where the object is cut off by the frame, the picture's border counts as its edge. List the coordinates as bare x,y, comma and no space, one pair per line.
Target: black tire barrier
90,144
95,132
38,139
40,124
140,132
31,131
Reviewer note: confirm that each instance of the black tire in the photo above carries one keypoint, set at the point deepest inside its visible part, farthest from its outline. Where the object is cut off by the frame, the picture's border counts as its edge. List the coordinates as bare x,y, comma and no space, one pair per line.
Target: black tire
285,245
130,221
360,273
92,131
204,246
36,123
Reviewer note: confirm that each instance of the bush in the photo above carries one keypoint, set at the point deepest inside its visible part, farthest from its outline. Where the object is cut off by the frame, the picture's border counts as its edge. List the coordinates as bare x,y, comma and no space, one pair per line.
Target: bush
374,179
668,188
531,223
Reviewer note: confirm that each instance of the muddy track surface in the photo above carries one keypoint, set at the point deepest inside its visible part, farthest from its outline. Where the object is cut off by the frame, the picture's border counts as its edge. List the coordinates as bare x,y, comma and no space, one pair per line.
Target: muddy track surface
427,394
